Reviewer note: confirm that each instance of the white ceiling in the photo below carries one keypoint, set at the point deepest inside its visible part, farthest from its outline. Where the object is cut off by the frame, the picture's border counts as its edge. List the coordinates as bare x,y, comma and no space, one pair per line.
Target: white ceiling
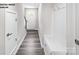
31,5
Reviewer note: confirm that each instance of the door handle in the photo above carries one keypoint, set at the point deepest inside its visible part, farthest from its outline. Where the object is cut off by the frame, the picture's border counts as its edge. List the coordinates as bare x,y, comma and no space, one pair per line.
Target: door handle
9,34
76,42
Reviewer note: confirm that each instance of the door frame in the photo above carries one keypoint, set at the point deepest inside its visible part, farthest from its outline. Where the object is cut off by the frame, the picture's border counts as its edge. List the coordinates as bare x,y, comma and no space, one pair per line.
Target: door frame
37,16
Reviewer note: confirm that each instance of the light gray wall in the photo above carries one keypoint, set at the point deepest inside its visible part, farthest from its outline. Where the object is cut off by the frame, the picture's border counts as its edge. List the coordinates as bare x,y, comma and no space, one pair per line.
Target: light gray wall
70,30
45,20
2,31
77,21
31,15
60,25
32,26
53,23
77,26
20,22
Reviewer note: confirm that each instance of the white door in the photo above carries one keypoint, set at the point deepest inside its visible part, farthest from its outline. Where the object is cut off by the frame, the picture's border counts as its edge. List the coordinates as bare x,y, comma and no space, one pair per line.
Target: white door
31,15
10,31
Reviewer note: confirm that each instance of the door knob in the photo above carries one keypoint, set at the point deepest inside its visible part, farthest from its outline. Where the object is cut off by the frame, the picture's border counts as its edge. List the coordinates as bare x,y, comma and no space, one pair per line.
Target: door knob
9,34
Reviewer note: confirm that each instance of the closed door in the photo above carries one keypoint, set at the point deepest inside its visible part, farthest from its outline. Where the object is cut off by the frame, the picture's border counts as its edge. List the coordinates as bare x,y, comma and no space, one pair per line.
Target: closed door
10,31
31,15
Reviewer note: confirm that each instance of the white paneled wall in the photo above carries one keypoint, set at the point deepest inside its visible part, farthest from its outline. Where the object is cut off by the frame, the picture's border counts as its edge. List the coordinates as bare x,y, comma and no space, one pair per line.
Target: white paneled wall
45,20
52,24
77,26
57,22
60,25
70,30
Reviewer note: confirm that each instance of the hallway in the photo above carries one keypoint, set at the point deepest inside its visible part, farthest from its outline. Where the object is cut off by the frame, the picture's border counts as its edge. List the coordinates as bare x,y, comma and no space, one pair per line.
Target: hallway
31,44
39,29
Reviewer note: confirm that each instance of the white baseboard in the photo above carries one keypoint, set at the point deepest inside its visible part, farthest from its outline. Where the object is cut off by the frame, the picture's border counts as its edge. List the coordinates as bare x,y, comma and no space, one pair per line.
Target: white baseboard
58,53
17,47
71,51
40,38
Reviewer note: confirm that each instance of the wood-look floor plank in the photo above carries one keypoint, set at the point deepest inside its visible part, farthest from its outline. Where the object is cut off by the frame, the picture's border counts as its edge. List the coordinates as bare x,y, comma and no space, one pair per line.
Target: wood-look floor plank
31,45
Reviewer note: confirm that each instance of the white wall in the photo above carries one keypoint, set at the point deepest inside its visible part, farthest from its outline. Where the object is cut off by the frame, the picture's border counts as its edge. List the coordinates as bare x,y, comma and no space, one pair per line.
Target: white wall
70,16
45,20
77,21
20,27
32,21
77,26
60,25
2,33
31,15
21,32
52,22
40,25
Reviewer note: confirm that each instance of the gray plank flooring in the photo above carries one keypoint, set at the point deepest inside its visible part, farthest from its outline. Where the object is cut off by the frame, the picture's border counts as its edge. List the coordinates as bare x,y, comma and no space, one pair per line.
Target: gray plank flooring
31,44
